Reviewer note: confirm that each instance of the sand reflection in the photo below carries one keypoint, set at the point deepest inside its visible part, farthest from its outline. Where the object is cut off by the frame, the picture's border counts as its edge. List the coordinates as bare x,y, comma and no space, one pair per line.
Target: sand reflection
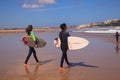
32,75
117,47
65,74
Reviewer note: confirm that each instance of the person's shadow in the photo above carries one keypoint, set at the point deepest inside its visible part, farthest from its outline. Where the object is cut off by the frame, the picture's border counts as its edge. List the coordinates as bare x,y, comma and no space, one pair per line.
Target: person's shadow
83,65
44,62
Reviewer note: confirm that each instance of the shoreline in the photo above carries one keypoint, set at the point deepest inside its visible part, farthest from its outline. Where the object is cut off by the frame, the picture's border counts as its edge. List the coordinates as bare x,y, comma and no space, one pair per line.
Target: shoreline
35,29
74,29
23,30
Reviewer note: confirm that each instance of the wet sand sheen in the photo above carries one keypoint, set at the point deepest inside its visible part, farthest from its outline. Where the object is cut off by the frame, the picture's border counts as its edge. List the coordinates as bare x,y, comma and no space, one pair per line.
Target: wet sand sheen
98,61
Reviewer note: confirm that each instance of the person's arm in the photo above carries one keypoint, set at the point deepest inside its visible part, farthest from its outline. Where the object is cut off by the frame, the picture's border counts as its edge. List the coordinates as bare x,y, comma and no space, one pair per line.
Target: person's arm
68,34
60,36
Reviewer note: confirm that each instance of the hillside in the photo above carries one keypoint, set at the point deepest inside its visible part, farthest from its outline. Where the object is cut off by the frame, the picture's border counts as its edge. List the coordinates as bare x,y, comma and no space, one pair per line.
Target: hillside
108,23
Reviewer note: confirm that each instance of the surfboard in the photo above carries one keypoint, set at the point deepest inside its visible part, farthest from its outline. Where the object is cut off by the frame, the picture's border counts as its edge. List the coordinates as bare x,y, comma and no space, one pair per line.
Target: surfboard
74,43
27,40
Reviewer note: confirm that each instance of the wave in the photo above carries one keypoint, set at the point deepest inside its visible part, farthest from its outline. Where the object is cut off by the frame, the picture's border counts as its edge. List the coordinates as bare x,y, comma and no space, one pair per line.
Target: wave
99,30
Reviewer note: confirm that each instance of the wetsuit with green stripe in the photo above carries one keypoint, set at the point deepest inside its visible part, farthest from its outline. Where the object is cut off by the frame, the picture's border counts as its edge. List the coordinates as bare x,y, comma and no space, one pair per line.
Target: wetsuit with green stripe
32,34
31,49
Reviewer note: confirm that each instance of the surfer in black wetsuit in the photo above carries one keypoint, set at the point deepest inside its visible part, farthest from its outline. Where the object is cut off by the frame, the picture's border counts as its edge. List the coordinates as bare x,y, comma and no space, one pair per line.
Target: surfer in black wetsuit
63,35
117,37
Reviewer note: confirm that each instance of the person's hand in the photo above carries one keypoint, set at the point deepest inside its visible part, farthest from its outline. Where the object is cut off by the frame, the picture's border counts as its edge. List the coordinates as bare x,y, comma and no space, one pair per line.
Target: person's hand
36,46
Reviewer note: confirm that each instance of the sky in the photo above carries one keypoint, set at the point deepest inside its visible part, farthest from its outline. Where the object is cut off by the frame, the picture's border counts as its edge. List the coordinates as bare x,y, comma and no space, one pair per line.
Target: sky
45,13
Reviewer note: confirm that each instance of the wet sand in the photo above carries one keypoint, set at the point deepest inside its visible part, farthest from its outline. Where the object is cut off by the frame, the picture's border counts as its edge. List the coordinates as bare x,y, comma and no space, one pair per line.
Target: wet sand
100,60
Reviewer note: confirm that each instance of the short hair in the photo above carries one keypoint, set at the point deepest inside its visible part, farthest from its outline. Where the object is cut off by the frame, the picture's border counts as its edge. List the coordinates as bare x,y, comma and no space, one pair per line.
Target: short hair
62,26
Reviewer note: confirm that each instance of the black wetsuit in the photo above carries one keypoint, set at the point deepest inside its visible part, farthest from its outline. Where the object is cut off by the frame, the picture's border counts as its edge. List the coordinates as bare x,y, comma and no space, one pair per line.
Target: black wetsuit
64,47
31,49
117,37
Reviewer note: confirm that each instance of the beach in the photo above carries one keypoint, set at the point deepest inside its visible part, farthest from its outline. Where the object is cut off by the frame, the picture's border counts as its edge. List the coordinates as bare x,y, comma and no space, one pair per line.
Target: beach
100,60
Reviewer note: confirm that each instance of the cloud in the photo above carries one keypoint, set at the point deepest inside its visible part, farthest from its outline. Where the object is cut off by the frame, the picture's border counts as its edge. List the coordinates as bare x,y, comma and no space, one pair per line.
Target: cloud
37,3
58,8
31,5
47,1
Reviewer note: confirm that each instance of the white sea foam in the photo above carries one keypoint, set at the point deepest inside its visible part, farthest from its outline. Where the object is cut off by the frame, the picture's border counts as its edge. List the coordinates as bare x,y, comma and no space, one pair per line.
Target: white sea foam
99,30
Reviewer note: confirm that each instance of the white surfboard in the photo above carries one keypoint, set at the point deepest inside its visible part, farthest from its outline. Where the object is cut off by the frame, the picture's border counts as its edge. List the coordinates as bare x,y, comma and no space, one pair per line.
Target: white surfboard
74,43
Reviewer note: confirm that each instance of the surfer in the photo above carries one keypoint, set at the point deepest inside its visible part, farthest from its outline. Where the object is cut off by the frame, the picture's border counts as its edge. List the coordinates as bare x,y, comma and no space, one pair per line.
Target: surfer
117,37
31,49
64,45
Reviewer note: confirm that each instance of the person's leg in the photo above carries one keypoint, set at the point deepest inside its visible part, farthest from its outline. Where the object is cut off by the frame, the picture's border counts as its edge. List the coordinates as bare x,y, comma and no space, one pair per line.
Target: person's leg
29,54
62,58
117,39
34,54
66,58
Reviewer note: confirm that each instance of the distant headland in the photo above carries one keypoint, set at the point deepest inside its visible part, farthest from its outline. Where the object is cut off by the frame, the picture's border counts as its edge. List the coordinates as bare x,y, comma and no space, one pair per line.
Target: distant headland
108,23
